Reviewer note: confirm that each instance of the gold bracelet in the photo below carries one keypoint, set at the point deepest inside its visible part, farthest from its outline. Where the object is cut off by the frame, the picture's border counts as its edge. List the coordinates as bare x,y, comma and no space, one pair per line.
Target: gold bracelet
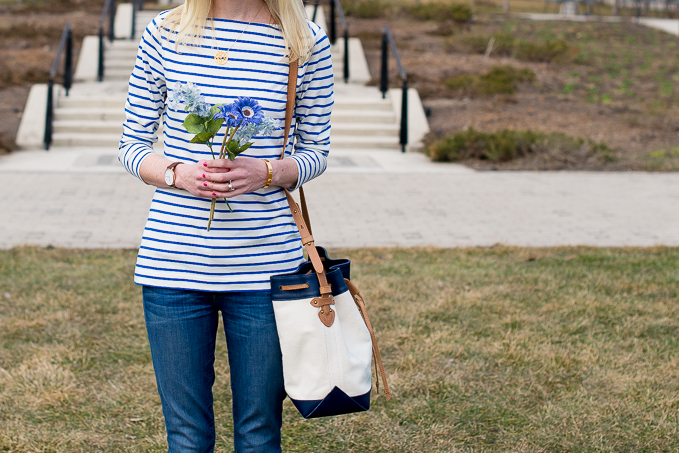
270,167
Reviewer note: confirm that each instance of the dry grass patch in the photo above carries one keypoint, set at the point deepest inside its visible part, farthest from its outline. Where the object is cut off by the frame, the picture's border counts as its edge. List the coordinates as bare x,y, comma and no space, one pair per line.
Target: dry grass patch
489,349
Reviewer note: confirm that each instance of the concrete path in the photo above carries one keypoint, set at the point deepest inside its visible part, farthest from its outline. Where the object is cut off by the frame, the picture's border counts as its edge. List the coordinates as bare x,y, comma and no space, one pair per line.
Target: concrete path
376,198
80,196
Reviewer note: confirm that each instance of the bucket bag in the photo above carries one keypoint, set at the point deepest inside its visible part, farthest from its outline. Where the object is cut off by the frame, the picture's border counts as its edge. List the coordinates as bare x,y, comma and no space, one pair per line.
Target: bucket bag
325,334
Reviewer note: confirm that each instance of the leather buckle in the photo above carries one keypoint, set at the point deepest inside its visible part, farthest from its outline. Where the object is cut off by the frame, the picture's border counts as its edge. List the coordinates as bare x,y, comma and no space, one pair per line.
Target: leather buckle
326,313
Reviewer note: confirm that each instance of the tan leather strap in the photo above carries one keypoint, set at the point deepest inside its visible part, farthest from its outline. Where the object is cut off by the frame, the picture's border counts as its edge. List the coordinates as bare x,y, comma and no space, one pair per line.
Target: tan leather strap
301,217
326,315
290,104
360,303
289,109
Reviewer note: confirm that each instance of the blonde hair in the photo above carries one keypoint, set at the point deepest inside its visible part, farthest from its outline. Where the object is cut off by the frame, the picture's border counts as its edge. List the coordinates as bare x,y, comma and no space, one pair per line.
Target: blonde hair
190,20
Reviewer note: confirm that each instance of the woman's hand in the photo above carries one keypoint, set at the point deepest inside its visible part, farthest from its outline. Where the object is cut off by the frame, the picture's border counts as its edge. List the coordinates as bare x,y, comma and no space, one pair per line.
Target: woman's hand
211,178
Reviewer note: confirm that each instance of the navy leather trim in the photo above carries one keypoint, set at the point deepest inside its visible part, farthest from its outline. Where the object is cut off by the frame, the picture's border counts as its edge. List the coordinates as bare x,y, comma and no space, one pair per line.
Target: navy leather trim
336,272
343,264
336,403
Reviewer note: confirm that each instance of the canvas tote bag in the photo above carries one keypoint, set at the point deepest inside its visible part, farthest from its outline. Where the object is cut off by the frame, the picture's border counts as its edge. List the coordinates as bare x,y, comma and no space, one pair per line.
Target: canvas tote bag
325,335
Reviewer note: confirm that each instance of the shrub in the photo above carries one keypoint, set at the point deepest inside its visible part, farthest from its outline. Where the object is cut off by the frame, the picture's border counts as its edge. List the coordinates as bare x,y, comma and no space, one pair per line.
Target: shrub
507,145
499,80
472,144
368,9
457,12
554,50
460,12
503,45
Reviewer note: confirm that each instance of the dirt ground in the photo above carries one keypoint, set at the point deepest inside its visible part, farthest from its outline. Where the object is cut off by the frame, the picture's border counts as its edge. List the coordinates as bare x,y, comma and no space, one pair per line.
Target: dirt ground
642,128
620,99
29,38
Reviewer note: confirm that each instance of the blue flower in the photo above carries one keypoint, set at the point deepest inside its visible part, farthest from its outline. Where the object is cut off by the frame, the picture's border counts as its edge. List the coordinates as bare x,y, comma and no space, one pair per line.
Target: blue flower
249,110
249,130
230,117
189,95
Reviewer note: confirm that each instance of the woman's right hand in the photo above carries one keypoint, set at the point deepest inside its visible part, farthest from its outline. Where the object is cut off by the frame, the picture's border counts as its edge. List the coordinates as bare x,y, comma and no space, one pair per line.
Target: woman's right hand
192,178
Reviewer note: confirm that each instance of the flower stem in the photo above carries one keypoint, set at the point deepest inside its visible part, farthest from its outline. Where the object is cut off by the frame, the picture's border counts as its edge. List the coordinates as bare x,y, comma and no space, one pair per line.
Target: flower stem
212,213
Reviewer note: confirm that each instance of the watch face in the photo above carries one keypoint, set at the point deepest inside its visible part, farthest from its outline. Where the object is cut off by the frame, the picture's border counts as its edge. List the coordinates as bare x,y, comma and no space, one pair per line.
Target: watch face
169,177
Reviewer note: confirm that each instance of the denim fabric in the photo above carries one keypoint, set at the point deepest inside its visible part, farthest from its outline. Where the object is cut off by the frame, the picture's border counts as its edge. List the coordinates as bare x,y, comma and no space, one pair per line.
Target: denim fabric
182,330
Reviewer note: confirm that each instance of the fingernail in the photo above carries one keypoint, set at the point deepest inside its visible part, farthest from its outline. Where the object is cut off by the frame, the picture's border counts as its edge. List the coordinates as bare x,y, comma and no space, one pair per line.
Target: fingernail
203,175
204,164
214,194
205,184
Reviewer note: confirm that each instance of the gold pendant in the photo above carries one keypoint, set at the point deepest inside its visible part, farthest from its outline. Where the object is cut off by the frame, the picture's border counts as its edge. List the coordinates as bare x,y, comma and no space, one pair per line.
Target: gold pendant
221,57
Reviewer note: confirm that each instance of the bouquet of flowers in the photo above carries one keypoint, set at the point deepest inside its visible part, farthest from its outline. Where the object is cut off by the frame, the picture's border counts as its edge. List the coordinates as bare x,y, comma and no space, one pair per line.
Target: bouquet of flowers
243,118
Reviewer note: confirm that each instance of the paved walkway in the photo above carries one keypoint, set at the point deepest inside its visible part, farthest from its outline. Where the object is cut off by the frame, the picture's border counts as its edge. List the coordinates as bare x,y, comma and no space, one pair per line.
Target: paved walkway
81,197
366,198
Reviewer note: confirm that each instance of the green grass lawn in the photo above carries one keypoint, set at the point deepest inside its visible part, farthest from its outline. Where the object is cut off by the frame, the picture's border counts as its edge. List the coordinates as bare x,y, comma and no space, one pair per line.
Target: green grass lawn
487,349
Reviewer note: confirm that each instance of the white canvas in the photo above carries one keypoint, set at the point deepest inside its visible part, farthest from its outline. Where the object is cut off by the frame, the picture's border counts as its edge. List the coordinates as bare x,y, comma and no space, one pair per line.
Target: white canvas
317,358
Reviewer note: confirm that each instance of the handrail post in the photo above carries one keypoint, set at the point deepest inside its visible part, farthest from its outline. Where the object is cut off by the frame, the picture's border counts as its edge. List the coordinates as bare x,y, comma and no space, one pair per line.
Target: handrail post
346,55
313,17
47,138
134,20
68,62
333,20
112,21
384,69
404,116
100,67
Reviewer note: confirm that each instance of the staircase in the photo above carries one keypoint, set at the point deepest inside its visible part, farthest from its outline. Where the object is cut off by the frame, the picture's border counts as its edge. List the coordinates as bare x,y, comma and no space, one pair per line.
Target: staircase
93,113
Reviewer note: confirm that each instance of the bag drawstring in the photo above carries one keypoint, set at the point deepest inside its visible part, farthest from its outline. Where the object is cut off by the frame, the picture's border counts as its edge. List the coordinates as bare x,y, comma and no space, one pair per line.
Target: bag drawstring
360,303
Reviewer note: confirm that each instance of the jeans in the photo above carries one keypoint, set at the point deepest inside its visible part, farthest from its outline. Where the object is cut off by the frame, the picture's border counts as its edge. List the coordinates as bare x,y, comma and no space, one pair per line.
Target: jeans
182,330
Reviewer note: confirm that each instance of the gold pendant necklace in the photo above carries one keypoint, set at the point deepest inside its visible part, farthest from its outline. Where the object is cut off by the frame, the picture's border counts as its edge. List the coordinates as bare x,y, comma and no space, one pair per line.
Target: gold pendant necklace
222,56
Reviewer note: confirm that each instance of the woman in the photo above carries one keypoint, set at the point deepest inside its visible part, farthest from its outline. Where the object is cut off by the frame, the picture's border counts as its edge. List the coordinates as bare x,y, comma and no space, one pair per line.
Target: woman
228,48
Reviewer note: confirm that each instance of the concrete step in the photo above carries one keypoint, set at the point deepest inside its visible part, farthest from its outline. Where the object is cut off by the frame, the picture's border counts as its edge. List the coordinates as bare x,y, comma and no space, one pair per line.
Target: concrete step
123,44
113,126
365,129
86,102
86,140
357,103
119,64
339,116
355,142
90,113
88,126
116,54
117,73
347,115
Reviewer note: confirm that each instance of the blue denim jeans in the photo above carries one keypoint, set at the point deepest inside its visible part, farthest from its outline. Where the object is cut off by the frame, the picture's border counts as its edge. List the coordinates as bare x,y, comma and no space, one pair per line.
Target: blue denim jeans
182,330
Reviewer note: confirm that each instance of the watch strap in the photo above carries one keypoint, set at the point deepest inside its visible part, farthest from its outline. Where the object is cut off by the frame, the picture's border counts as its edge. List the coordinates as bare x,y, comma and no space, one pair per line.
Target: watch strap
172,166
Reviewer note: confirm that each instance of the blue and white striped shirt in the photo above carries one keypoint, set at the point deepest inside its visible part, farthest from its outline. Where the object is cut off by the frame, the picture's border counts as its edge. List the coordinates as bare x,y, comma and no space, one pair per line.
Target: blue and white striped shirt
259,238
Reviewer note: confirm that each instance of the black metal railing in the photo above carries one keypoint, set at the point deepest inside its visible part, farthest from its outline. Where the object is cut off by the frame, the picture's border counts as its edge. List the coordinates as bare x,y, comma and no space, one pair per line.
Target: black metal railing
336,12
313,16
137,5
109,12
65,46
388,41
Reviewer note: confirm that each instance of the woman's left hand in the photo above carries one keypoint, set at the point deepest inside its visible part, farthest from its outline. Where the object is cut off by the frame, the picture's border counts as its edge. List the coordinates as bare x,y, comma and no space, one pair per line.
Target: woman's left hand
246,174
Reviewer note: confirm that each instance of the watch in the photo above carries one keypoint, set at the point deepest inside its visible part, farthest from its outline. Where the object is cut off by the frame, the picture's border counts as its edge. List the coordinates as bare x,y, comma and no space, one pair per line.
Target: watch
170,176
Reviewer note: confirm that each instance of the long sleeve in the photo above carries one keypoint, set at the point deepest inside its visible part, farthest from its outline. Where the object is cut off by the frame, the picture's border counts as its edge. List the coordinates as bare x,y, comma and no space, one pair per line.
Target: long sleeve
145,101
313,108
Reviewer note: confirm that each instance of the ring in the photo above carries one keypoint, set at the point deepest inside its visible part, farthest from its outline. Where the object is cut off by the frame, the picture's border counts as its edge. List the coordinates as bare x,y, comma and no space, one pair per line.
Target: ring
231,189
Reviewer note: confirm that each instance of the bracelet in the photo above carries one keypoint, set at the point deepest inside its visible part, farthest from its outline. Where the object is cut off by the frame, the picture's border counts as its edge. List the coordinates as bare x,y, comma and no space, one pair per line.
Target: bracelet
270,177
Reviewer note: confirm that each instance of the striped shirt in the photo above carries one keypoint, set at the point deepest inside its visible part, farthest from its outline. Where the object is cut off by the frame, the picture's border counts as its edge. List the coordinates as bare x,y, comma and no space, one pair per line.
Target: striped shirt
259,238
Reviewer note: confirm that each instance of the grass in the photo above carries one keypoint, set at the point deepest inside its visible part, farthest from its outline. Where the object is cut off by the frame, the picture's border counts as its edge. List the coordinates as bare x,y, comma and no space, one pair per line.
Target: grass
618,63
499,80
508,145
487,349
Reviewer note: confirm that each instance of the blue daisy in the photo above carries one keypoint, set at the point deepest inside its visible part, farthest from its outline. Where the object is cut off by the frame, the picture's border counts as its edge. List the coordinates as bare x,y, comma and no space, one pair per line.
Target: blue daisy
249,110
229,114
